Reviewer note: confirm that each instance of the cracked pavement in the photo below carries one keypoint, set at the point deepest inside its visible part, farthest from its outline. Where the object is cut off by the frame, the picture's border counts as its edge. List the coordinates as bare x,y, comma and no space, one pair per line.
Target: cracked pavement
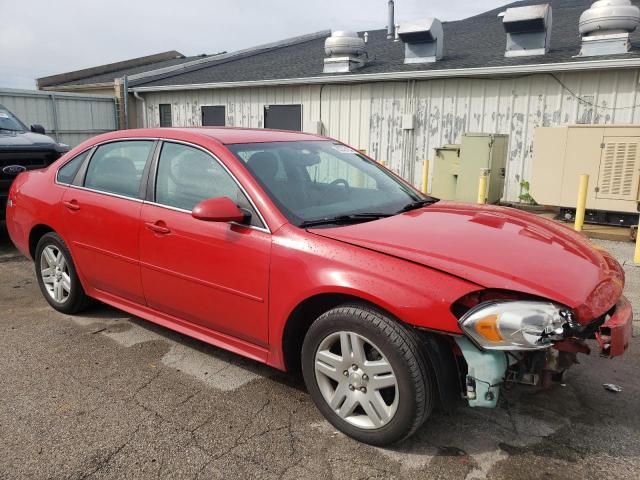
104,395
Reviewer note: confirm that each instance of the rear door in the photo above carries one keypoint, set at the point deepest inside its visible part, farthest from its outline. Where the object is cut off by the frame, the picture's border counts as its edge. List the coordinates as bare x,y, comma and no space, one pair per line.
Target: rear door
209,273
102,214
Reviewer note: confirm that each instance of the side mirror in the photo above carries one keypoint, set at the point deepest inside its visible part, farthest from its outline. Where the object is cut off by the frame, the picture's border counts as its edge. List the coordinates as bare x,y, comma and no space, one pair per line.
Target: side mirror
220,209
35,128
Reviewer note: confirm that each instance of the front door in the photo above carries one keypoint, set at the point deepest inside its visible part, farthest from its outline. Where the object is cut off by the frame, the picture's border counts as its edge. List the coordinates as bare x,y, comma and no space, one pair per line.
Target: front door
212,274
102,218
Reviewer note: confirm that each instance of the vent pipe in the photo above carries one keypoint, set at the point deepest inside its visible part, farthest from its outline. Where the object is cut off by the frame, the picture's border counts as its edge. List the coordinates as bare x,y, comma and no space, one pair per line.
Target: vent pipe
345,52
423,40
605,27
391,21
528,30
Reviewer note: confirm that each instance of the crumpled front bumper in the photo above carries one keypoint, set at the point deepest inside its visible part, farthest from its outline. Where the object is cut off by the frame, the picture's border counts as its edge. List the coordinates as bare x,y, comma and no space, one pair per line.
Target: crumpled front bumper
487,368
615,333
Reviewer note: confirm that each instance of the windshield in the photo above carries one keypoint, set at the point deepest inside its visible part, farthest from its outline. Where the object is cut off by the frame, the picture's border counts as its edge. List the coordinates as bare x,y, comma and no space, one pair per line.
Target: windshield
321,180
9,122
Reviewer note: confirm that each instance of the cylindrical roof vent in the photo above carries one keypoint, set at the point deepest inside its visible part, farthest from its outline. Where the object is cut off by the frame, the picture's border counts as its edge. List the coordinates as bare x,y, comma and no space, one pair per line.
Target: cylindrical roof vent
343,42
609,16
605,27
345,50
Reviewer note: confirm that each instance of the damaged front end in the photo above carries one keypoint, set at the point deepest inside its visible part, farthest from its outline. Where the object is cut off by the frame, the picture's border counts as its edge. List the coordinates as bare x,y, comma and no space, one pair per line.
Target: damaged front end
531,342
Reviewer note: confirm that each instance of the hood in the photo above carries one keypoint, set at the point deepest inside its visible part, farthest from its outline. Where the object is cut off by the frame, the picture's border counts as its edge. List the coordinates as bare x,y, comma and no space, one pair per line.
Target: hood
28,140
498,248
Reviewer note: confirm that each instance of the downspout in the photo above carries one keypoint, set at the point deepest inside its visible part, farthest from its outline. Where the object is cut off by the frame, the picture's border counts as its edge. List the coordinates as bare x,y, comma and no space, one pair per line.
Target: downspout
125,101
322,130
144,107
54,110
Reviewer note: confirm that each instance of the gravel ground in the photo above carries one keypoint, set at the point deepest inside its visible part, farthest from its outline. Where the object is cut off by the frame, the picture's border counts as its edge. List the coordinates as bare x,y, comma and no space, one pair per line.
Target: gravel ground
105,395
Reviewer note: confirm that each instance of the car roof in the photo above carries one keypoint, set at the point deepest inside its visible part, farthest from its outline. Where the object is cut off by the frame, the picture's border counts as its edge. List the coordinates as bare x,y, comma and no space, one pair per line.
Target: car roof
231,135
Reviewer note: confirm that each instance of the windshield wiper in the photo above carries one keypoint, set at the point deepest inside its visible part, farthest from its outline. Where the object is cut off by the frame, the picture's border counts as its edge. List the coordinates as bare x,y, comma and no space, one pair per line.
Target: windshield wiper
10,129
418,204
344,219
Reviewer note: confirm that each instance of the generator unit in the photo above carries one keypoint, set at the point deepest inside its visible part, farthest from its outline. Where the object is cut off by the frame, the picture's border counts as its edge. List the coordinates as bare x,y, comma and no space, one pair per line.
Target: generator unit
609,154
457,168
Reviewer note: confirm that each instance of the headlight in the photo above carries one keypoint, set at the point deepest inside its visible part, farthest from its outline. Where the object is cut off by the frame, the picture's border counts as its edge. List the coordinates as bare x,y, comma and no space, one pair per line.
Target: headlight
517,325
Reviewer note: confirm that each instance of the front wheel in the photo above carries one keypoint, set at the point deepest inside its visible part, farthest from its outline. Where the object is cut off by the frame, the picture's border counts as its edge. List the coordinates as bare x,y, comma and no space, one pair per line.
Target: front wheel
366,374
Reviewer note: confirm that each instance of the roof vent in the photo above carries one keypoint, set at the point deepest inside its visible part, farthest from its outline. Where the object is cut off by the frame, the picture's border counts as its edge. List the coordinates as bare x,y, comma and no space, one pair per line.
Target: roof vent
605,27
528,30
346,52
423,40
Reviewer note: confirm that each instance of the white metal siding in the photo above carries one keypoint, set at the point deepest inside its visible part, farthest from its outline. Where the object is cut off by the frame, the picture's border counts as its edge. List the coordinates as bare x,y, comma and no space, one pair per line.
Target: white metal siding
78,116
369,115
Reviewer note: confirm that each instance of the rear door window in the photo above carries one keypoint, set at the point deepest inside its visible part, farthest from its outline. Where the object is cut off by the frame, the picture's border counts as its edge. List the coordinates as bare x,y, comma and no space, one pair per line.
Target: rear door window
117,167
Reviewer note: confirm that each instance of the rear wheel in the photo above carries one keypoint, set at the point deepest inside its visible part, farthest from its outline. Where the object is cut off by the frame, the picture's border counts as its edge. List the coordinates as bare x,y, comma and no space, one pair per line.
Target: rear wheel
367,375
57,275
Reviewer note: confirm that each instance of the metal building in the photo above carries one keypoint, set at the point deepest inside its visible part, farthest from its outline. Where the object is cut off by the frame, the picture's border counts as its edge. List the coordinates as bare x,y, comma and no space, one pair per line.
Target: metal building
401,92
111,79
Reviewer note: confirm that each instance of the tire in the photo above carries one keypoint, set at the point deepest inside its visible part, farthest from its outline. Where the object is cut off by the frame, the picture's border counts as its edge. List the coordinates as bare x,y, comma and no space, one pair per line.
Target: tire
58,281
361,377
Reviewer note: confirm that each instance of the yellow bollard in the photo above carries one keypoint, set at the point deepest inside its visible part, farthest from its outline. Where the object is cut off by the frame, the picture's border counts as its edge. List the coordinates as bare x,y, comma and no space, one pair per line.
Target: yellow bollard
636,255
482,185
425,177
582,202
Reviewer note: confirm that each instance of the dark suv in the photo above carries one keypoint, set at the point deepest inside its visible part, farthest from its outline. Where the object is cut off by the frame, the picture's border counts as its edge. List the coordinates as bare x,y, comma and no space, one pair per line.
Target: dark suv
22,149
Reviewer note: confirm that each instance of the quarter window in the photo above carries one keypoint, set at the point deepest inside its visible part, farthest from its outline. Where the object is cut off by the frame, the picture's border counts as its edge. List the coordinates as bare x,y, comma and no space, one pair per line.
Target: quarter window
188,175
165,114
67,173
117,167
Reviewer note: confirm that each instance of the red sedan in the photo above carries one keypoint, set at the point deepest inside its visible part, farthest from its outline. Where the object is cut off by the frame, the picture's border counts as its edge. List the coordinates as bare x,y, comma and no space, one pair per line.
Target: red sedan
300,252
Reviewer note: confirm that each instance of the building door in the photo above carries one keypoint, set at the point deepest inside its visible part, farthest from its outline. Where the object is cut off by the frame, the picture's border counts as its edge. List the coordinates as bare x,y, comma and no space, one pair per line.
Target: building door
283,117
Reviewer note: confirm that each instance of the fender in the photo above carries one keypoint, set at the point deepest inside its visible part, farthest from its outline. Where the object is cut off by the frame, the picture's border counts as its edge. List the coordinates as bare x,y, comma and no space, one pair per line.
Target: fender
421,296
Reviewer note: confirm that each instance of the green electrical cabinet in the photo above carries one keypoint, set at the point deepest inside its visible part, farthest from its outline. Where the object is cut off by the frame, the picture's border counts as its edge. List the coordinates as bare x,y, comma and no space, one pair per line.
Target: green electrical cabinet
457,168
482,151
445,172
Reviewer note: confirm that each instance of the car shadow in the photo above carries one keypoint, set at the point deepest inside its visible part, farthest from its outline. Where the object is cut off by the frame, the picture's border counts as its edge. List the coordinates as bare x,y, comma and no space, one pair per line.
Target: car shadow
120,322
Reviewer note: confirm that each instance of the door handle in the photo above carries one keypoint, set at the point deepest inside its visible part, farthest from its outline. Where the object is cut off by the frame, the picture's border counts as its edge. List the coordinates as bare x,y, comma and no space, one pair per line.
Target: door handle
71,205
158,227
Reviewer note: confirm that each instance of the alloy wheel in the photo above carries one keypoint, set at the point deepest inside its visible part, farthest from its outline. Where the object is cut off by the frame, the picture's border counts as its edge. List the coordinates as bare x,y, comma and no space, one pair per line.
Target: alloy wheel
54,270
356,380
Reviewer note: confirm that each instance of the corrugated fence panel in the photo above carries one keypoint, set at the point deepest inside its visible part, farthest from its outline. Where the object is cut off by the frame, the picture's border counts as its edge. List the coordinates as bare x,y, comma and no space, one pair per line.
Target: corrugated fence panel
69,118
369,116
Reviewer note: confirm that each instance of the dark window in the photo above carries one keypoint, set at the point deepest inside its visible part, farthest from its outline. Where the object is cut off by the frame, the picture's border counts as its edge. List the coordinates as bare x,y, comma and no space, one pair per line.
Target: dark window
187,175
117,167
165,114
67,173
213,116
283,117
